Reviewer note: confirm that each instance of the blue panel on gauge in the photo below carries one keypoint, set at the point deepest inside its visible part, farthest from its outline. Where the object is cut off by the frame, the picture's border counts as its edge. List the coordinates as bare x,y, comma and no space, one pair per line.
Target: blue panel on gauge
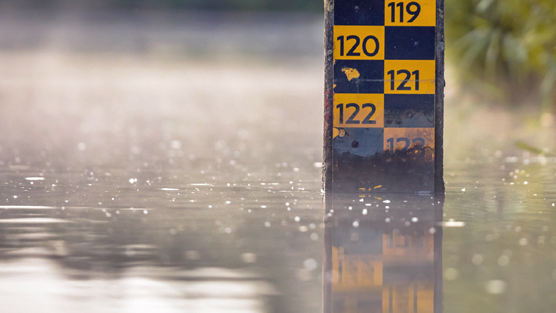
359,76
364,142
359,12
409,43
409,111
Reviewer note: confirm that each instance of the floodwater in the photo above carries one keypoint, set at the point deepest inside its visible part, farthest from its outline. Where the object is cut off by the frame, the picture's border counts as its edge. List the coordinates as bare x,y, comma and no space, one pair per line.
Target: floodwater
171,163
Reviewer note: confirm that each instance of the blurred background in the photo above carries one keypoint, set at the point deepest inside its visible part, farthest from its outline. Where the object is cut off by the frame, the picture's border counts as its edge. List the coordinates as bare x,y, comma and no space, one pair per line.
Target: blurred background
173,5
145,143
501,55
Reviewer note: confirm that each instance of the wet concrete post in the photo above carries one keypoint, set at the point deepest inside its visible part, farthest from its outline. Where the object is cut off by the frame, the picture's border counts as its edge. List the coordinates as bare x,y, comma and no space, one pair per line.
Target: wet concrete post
383,97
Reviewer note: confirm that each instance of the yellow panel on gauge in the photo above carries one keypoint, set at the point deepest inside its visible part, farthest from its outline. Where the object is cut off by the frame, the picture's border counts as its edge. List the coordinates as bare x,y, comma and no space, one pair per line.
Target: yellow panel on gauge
396,139
409,77
410,13
359,42
358,110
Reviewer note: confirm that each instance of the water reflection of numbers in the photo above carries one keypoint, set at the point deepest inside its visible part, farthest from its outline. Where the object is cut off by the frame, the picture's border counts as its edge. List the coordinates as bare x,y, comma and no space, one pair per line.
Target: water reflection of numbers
417,240
402,143
353,273
416,297
396,241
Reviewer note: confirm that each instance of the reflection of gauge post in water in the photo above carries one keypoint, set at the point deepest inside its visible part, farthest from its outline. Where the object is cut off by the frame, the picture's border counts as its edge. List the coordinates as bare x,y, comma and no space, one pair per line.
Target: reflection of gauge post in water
384,90
384,260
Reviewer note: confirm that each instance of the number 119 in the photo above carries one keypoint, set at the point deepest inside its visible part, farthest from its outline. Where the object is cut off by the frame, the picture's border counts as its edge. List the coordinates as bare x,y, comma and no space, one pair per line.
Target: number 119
412,8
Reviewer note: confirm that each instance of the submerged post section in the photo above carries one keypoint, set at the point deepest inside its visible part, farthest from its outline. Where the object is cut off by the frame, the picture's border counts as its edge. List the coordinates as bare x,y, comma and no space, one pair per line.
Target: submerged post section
384,90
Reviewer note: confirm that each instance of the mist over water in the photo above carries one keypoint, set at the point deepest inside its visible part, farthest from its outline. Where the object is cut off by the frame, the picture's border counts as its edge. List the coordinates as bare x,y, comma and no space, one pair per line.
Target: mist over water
172,163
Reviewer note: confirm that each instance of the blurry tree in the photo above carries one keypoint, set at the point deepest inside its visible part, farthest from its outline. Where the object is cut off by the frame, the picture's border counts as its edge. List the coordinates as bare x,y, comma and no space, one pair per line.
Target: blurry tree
506,47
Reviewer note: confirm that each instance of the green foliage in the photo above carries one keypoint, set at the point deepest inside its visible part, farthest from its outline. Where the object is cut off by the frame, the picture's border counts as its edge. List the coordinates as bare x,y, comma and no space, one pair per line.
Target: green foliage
508,46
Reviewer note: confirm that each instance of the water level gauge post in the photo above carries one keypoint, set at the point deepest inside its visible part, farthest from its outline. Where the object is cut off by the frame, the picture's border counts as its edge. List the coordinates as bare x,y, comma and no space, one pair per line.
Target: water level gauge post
384,96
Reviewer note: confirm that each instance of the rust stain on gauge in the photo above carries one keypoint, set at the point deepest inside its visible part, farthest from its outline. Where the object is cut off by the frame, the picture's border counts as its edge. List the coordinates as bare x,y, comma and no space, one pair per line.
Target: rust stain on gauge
351,73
